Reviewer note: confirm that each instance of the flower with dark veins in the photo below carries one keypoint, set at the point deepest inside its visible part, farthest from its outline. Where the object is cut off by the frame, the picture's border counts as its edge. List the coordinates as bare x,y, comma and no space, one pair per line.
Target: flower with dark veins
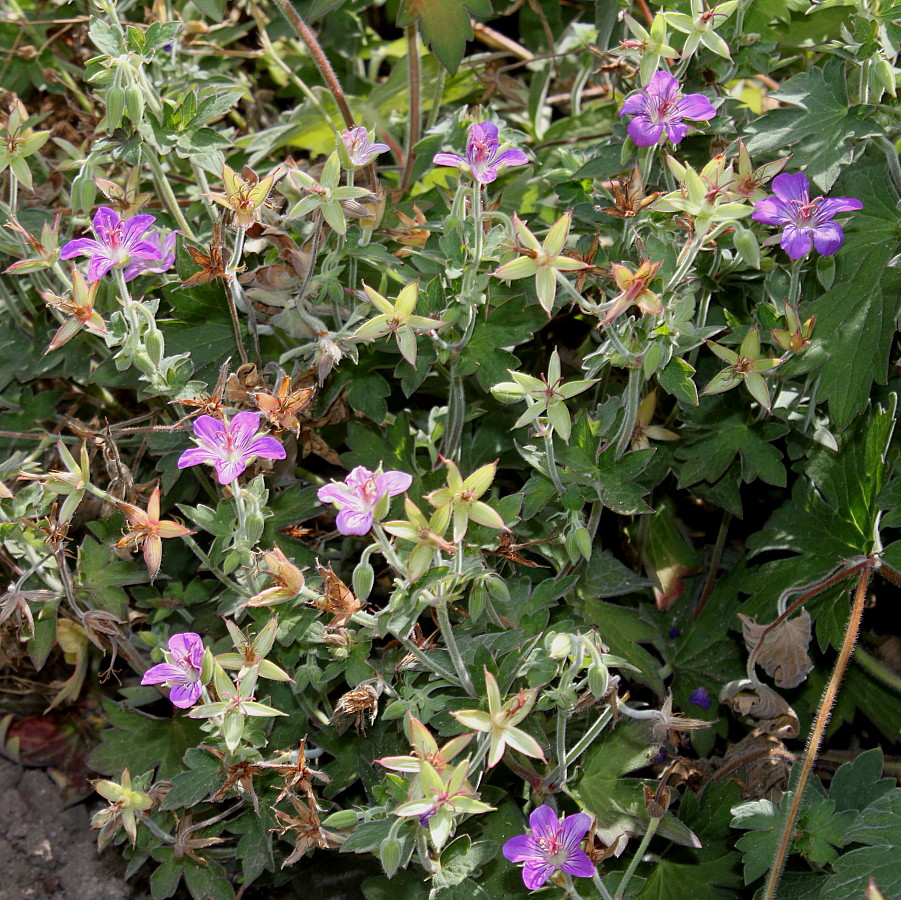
552,845
360,495
182,669
360,148
118,243
230,446
661,107
807,223
482,160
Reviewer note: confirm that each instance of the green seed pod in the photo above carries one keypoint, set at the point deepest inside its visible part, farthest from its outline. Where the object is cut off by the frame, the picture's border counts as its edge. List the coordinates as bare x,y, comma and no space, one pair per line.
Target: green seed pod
363,579
253,530
134,103
747,245
389,854
884,75
478,599
598,680
344,818
115,107
583,541
155,345
83,191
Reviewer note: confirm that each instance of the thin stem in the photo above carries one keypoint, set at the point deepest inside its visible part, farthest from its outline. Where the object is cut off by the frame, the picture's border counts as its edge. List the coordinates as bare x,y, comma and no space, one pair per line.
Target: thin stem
715,560
430,664
639,853
627,429
236,322
319,57
456,403
794,287
437,97
560,773
596,881
204,185
170,201
388,550
587,739
819,729
13,192
873,667
213,568
552,459
450,644
414,115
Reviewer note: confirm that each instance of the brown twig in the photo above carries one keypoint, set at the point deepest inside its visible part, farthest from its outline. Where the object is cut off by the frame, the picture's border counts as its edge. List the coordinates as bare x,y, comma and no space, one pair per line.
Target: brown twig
819,729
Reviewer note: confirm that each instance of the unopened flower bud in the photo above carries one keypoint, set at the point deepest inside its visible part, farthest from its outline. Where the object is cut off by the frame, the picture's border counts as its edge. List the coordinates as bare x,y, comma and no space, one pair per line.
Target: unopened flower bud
389,854
363,579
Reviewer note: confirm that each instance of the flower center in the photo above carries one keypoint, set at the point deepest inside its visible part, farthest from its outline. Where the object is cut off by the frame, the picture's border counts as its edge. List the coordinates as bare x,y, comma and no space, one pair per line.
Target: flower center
806,209
554,849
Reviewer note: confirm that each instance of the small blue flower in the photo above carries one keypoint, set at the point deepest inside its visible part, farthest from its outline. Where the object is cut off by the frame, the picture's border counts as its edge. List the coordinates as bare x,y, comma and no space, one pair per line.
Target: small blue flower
700,697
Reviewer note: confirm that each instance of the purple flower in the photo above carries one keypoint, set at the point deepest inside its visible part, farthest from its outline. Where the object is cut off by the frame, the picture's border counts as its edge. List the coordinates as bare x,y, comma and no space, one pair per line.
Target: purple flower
700,697
552,845
163,263
358,496
182,669
360,149
117,243
660,106
230,446
808,223
482,159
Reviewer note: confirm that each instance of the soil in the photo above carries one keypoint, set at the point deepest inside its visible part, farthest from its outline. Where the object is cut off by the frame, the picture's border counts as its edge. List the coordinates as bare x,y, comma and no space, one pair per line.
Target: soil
48,851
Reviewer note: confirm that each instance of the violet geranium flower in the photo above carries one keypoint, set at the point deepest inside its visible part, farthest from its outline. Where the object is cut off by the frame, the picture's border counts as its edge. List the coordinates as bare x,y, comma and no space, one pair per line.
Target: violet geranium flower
482,160
181,670
359,495
660,107
808,223
162,263
360,148
230,446
552,845
118,243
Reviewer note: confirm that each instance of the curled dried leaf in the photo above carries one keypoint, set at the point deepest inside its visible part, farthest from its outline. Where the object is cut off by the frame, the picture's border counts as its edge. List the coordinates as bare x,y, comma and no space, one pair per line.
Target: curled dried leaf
783,653
751,699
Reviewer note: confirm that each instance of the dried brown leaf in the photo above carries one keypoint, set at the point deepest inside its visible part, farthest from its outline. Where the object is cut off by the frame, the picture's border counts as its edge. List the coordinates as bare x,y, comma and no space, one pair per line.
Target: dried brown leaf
783,653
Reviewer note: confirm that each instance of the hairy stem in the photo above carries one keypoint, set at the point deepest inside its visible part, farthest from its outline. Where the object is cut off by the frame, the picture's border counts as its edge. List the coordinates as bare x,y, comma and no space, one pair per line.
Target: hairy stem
819,729
319,57
636,859
414,115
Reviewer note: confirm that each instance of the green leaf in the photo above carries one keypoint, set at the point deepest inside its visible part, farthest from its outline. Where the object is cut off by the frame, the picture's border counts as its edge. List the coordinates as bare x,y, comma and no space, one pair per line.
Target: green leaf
208,881
822,831
606,576
165,878
820,125
706,455
142,742
676,379
102,576
856,319
618,802
366,393
709,873
621,629
189,788
852,873
444,25
460,859
858,783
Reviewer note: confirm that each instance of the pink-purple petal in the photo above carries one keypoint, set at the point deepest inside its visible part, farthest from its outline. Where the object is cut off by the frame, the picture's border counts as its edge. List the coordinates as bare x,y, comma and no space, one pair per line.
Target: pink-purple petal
99,266
771,212
393,482
792,187
663,85
195,456
512,157
242,427
796,242
829,207
136,226
80,247
828,238
696,106
337,493
543,821
634,105
227,472
643,132
353,522
266,448
522,847
536,872
209,430
185,695
676,132
486,131
105,220
187,645
573,829
448,159
579,864
162,673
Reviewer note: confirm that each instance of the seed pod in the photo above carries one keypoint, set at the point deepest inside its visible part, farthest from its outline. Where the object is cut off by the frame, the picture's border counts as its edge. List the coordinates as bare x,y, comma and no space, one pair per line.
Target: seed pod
747,245
115,107
389,854
363,579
